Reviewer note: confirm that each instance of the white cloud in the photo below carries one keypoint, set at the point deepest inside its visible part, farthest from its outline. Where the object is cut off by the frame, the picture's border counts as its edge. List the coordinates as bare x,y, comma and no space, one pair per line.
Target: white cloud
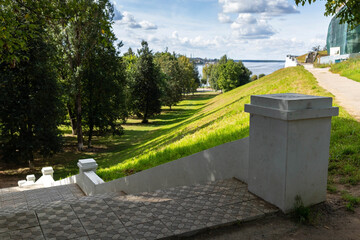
252,21
248,27
196,42
129,20
272,7
147,25
223,18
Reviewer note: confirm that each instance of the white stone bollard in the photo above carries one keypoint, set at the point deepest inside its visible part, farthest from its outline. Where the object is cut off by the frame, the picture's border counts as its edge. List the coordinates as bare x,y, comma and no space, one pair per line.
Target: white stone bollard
47,171
289,147
87,165
30,178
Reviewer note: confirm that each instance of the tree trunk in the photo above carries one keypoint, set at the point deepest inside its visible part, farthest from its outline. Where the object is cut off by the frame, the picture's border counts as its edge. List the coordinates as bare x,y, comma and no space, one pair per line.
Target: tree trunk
145,114
91,128
31,161
72,119
80,139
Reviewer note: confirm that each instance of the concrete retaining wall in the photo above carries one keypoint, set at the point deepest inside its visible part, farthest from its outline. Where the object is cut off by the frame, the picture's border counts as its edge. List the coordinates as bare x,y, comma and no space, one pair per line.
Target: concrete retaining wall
221,162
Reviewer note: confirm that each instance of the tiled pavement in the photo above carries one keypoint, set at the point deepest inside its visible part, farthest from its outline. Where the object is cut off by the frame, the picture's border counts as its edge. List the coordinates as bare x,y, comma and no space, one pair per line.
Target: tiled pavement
67,214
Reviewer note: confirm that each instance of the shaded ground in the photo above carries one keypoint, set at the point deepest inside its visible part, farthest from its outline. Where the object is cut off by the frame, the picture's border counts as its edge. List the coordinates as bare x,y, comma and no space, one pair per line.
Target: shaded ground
331,221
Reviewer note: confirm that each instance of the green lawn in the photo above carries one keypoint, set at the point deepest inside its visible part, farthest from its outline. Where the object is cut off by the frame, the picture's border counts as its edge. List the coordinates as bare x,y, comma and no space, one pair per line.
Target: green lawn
349,69
205,120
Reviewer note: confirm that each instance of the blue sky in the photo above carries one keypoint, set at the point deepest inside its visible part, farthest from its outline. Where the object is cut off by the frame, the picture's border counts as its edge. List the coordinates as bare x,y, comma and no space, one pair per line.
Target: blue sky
242,29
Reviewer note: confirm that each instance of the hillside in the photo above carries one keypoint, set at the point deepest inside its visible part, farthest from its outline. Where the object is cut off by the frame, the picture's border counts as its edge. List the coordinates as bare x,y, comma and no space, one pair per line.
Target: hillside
221,119
199,122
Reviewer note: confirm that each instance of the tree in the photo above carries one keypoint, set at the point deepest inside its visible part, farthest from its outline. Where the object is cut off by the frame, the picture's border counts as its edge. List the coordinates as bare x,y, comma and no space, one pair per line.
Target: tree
227,74
261,75
350,12
145,91
171,78
190,79
254,77
103,91
88,24
20,21
232,75
30,103
210,73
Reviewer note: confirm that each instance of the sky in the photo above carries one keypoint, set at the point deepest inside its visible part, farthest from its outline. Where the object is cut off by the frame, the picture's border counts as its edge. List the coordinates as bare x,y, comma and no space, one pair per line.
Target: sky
241,29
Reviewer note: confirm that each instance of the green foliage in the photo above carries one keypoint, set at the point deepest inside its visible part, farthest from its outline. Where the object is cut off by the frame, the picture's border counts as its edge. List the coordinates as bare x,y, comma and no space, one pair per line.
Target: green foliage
350,13
190,79
261,75
227,74
305,215
103,91
86,28
349,69
351,201
253,77
145,91
171,78
331,188
30,109
301,213
20,22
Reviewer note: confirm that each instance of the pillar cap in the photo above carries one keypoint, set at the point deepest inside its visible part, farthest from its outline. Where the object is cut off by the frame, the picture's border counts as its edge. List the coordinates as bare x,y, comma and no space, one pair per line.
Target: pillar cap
47,170
291,106
86,165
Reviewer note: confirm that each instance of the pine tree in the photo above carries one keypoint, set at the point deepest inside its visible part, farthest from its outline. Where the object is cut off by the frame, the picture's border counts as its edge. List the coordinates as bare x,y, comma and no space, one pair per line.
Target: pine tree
145,90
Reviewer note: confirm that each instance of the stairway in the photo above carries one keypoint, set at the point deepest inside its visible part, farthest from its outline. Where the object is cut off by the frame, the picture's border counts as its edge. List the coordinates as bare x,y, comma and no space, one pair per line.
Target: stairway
311,57
64,212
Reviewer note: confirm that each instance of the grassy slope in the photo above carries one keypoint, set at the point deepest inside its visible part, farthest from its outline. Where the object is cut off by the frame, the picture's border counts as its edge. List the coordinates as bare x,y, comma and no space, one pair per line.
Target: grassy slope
301,59
349,69
221,120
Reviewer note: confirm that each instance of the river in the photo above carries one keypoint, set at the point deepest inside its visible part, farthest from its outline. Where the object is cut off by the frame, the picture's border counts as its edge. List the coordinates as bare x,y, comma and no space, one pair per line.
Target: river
257,66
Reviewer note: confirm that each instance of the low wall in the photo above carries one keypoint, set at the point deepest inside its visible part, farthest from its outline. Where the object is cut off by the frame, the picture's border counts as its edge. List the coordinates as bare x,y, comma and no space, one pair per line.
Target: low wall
337,58
221,162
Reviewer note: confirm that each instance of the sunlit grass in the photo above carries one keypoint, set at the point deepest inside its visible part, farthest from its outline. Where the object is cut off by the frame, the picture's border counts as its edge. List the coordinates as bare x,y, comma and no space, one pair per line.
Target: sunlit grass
349,69
206,120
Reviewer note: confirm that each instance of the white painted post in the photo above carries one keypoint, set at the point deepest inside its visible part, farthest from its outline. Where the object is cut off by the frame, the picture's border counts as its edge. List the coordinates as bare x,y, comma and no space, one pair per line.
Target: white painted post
87,165
289,147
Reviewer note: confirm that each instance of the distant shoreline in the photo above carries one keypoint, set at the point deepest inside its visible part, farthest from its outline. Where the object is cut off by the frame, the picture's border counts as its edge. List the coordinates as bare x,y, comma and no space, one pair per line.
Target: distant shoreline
282,61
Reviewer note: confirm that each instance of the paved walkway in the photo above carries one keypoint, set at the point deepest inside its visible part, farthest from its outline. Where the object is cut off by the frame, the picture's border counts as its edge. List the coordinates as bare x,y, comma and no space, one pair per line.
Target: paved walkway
167,213
346,91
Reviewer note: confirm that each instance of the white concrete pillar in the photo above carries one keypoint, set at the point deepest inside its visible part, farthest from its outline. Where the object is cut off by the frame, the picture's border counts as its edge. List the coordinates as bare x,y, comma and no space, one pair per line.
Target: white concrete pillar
30,178
289,147
87,165
47,171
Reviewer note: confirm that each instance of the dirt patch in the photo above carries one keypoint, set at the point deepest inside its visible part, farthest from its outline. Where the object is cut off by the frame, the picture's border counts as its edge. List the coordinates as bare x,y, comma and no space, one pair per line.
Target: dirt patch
332,221
10,181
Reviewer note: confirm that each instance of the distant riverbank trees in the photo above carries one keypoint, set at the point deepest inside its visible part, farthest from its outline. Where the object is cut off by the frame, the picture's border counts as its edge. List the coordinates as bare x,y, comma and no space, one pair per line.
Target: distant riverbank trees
60,65
226,74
